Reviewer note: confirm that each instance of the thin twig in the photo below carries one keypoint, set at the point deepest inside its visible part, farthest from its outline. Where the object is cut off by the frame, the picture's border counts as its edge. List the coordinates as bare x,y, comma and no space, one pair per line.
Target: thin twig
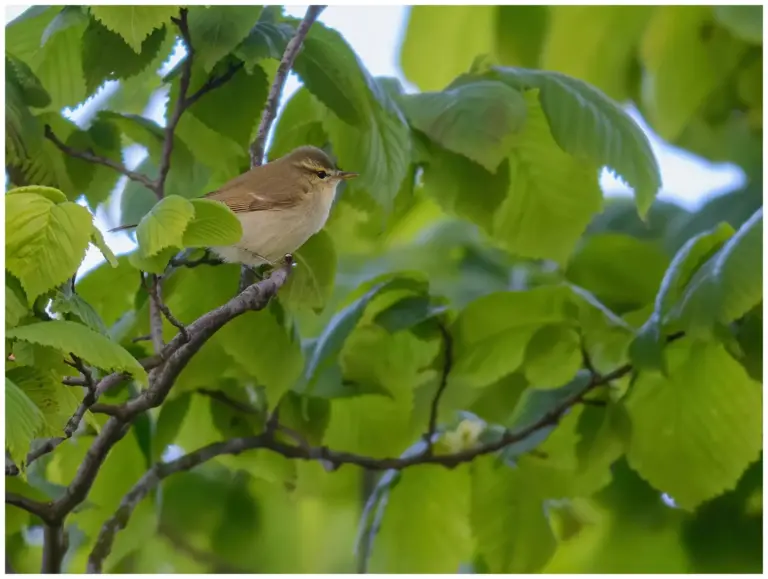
213,83
286,63
91,158
155,293
88,400
179,107
31,506
435,406
220,396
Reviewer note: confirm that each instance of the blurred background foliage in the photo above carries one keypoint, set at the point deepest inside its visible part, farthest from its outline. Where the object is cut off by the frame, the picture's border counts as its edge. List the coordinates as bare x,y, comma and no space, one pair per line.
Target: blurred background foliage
693,73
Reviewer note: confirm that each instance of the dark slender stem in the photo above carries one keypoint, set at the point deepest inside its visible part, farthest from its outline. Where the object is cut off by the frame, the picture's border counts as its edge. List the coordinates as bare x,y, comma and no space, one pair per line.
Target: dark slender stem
178,108
91,158
220,396
36,508
435,406
213,83
155,291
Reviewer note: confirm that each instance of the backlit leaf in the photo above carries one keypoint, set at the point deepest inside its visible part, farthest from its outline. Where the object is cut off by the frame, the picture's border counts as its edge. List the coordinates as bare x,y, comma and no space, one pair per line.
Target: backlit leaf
164,225
45,243
552,196
695,431
83,342
477,120
134,23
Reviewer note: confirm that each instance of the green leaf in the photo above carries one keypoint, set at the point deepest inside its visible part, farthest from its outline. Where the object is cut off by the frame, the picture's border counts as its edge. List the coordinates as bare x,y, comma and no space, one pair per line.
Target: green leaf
155,264
590,126
81,341
96,182
45,243
621,271
24,421
59,64
379,151
728,285
332,72
134,23
335,333
441,42
453,181
164,225
217,30
267,39
49,193
425,499
408,312
746,22
299,124
226,111
310,284
265,349
491,333
56,401
577,43
478,120
695,431
15,302
509,521
98,240
110,290
67,17
686,65
552,196
106,56
213,224
553,356
67,302
520,33
647,349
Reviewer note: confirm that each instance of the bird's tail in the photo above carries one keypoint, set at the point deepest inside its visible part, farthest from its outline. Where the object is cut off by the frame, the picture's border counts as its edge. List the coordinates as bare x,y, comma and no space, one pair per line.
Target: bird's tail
121,228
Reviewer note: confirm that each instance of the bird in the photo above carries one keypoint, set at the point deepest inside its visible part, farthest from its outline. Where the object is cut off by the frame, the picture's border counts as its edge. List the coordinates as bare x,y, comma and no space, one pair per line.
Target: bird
280,205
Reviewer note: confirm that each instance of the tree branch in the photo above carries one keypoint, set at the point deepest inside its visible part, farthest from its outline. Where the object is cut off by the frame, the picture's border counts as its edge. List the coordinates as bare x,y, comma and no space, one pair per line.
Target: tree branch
36,508
54,548
286,63
91,158
267,440
165,368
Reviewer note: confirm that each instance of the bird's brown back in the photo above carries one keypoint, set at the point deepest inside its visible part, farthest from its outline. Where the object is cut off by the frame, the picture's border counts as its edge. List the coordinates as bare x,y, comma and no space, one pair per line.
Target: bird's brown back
261,189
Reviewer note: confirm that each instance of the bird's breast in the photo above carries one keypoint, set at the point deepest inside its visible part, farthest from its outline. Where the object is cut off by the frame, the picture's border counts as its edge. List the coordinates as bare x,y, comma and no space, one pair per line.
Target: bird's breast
274,233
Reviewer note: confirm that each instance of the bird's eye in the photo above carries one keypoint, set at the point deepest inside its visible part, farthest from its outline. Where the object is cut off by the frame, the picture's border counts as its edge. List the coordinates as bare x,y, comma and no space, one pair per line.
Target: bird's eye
322,174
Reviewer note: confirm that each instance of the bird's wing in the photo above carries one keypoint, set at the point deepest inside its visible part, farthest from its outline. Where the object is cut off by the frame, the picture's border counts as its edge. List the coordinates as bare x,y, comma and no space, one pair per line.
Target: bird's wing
240,194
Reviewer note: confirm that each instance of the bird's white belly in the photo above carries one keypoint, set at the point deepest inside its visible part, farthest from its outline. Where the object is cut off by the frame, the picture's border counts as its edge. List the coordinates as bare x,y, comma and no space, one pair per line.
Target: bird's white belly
273,234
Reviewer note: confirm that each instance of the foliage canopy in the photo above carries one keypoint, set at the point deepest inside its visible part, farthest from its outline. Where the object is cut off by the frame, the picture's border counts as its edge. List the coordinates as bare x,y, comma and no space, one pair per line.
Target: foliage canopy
579,362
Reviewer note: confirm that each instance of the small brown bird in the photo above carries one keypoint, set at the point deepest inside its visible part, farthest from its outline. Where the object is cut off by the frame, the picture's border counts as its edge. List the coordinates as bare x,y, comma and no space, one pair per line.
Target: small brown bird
280,205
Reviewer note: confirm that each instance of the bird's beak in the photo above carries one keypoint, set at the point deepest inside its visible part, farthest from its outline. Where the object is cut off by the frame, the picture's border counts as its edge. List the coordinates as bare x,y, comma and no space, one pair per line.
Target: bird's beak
344,175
